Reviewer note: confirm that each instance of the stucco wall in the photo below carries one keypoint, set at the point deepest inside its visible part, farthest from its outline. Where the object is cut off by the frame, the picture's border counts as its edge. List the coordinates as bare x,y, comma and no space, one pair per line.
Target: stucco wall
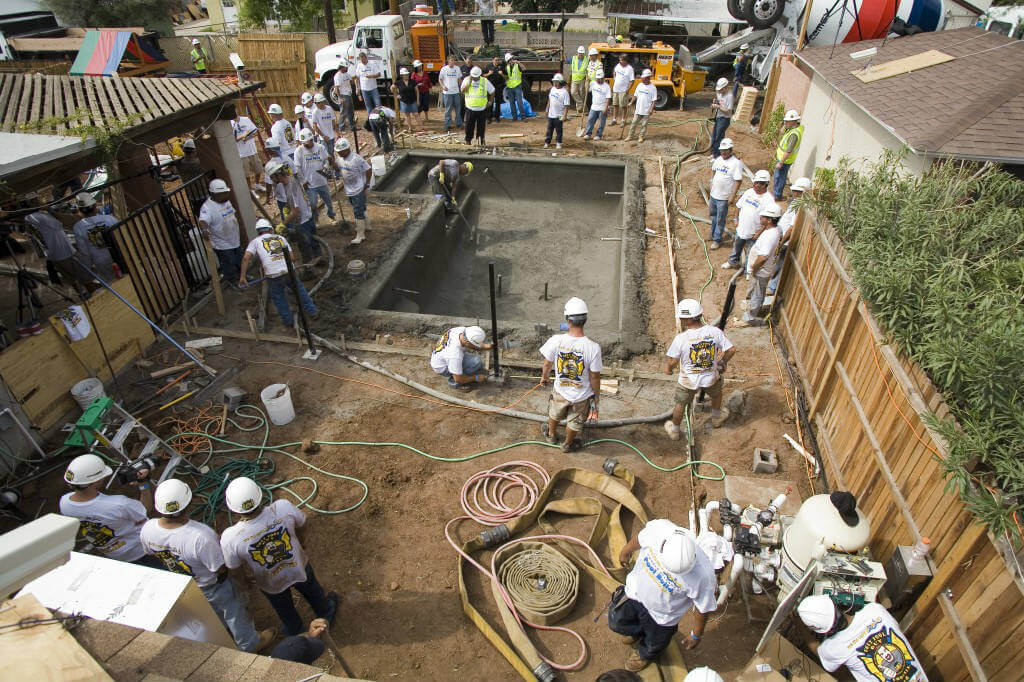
792,88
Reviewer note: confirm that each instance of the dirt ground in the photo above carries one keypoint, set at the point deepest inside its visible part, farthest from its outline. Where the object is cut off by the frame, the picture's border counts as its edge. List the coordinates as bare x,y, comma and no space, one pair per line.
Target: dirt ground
401,618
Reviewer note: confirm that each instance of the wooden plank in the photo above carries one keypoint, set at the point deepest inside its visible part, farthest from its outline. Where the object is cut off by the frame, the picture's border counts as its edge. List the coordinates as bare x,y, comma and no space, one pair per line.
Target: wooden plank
66,107
48,101
38,97
13,102
25,102
177,282
156,101
130,103
130,252
82,103
895,67
141,231
6,86
98,109
962,642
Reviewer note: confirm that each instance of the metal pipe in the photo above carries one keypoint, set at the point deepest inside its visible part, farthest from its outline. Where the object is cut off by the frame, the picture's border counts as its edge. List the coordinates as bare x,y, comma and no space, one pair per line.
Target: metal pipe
494,323
25,432
499,285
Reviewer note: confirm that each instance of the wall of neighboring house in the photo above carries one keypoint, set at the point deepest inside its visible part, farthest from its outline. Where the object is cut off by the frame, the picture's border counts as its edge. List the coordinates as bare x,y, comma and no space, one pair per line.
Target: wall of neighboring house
836,127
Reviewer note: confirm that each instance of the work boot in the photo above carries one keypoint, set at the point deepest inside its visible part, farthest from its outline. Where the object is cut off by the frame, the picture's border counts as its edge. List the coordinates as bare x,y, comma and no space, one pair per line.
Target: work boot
360,231
266,637
673,431
558,145
635,663
332,607
573,446
729,265
547,145
715,245
629,640
627,138
640,139
613,122
549,437
719,417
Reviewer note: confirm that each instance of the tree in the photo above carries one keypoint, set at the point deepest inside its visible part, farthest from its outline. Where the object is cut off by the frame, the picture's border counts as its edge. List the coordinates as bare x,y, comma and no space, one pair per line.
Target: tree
155,15
302,15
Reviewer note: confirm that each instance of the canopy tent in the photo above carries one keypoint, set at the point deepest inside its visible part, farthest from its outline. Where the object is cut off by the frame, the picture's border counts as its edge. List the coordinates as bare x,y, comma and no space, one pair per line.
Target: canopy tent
102,53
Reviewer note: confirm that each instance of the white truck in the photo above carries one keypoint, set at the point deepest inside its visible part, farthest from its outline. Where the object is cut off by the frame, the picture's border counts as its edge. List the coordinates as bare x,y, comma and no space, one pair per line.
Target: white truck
381,36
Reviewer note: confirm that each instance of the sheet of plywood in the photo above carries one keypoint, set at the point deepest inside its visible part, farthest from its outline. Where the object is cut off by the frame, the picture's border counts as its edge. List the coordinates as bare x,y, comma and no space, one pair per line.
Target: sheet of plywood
903,65
42,652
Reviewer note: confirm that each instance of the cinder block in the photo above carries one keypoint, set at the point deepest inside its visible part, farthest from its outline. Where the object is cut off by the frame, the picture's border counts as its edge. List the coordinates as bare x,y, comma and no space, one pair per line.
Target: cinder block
765,461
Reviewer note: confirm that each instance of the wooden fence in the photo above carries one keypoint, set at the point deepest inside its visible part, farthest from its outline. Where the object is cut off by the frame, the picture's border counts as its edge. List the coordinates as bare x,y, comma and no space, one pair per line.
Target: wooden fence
866,400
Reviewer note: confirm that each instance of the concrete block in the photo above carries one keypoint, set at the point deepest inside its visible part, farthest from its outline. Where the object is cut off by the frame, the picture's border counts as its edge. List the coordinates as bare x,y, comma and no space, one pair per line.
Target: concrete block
765,461
224,664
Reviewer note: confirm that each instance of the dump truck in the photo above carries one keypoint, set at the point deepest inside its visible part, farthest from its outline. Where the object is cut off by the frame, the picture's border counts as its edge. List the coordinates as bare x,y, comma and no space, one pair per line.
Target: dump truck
671,78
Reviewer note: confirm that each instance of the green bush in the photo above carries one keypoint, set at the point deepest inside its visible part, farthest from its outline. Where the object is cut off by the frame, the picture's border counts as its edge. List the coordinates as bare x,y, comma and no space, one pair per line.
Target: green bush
773,127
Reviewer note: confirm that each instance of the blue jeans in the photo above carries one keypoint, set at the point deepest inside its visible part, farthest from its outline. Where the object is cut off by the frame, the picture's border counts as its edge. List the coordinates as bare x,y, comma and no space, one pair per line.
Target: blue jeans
514,97
311,590
451,6
228,603
305,233
593,118
381,134
358,202
277,287
452,110
631,618
371,98
718,209
721,124
779,180
324,193
738,246
230,262
471,364
773,284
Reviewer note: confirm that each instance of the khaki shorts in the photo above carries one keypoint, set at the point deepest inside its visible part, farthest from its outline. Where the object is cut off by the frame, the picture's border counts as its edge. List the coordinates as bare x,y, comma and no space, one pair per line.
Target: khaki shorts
574,414
251,165
684,396
620,99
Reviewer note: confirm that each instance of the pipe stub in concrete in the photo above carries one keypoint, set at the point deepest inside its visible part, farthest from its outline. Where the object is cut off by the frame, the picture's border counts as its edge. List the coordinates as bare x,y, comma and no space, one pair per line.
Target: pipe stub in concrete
356,268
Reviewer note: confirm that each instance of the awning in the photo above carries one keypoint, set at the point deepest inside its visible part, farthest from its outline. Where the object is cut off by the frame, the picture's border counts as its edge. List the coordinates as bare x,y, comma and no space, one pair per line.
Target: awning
102,52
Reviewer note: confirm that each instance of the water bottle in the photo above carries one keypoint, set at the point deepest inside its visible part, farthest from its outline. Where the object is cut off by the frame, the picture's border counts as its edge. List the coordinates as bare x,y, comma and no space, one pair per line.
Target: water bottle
920,550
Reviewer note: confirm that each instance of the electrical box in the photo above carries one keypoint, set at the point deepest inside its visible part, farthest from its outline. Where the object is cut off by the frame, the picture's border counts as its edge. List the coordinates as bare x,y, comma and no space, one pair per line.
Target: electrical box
850,580
905,574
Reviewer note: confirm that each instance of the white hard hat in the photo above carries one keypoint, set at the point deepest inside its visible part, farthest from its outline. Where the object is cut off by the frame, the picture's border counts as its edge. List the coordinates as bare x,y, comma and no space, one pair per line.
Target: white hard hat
195,41
243,495
744,46
271,143
703,674
689,308
374,116
403,71
801,185
557,78
416,63
575,306
172,496
343,62
217,186
305,135
509,56
646,74
319,97
263,225
299,109
771,211
726,143
679,552
306,98
275,109
581,50
599,73
762,176
791,115
818,612
273,166
593,51
86,469
188,144
341,144
475,72
475,335
85,200
722,83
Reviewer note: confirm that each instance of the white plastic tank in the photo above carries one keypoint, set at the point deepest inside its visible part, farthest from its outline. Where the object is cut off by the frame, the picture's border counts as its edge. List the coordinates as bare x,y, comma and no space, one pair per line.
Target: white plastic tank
819,523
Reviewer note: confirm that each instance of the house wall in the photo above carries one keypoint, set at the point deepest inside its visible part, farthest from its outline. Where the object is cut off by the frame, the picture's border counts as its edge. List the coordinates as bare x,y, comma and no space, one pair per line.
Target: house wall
792,87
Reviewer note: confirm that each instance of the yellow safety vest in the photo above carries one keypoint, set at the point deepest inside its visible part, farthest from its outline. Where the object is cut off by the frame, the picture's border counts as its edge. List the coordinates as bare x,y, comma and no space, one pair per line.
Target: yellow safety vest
592,68
780,153
579,68
198,60
476,95
515,76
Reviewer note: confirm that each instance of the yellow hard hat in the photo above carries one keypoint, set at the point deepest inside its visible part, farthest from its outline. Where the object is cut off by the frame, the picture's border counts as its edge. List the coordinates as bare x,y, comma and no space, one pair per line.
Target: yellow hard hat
469,166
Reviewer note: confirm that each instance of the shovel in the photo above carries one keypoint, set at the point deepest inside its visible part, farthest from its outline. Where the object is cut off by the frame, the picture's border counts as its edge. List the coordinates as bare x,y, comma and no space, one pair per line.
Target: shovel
585,115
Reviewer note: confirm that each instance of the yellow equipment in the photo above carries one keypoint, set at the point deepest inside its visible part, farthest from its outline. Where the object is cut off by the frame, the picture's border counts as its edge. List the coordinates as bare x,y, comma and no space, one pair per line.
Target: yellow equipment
671,79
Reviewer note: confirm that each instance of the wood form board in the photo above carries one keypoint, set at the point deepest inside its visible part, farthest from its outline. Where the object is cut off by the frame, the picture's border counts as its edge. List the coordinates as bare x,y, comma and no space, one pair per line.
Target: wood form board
903,65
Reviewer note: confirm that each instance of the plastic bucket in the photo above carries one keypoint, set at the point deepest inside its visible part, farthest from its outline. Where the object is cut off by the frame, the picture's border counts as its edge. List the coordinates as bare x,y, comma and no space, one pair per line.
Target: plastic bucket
278,400
87,390
379,165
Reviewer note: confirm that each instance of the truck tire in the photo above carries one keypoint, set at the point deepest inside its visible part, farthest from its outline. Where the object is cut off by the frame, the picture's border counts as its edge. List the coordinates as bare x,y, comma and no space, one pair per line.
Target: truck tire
327,87
763,13
663,97
735,8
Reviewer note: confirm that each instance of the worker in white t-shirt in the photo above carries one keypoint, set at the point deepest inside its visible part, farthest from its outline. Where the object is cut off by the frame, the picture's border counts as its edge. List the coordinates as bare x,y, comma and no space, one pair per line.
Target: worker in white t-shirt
91,239
600,97
450,359
644,96
270,248
218,222
368,74
622,78
298,220
281,130
245,139
265,540
342,94
786,222
301,122
313,164
701,352
274,154
306,99
355,176
669,578
323,119
191,548
726,176
450,79
748,221
558,110
870,643
762,261
110,524
576,361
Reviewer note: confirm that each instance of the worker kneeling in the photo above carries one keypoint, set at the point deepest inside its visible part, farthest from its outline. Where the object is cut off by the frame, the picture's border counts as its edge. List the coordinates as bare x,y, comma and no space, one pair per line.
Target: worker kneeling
450,359
444,180
668,579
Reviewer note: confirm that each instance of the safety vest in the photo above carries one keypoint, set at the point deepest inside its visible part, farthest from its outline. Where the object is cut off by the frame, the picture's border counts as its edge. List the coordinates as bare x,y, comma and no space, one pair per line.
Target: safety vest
476,95
198,60
515,76
592,68
780,153
579,68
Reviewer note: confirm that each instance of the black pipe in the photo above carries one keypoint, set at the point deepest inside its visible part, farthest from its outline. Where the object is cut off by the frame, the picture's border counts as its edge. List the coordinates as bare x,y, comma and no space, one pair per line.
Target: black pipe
298,301
499,285
494,322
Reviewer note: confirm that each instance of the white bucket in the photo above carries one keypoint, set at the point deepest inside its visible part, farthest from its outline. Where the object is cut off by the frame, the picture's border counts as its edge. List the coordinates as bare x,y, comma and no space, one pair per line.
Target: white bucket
279,407
379,165
87,390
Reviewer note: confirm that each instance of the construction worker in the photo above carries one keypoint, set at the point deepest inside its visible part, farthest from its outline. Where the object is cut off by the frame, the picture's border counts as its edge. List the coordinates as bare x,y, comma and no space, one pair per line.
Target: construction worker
342,93
59,250
245,139
726,176
218,222
191,548
558,111
514,87
576,361
578,76
722,105
479,93
198,56
748,221
644,96
739,66
355,176
91,241
496,75
593,66
274,153
670,576
265,540
762,261
381,122
486,7
785,154
109,523
304,648
188,165
313,163
306,100
281,130
269,248
323,120
701,352
298,216
450,79
870,643
368,75
703,674
600,96
450,359
622,78
301,122
796,191
444,180
408,92
423,88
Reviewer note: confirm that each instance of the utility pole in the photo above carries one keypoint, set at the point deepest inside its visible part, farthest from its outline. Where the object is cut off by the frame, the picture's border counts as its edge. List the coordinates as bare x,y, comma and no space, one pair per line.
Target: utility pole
332,37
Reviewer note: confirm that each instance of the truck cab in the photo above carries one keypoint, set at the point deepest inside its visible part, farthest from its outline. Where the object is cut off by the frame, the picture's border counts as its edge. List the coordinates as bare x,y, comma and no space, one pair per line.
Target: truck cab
382,37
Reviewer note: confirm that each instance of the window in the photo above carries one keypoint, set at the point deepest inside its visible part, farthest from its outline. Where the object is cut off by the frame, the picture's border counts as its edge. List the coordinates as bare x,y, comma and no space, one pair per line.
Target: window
370,38
397,30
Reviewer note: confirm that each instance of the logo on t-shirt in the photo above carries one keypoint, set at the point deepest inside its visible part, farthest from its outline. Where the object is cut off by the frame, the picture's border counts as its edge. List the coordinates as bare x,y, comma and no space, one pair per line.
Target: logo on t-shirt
274,246
289,134
702,354
887,656
95,235
442,342
273,551
569,366
172,562
99,535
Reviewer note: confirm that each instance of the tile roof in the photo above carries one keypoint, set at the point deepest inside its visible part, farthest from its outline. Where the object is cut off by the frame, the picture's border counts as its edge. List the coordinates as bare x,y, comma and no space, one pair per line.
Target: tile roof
971,107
